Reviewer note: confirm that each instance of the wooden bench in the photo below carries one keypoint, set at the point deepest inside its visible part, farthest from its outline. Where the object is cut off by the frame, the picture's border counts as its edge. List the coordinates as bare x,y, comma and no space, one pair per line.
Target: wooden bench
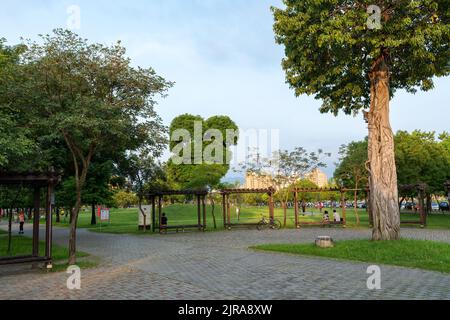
323,223
181,227
237,225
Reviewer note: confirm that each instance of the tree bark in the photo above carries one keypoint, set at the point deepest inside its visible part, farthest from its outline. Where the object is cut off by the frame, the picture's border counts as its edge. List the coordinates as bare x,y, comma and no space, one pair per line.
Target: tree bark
429,208
381,163
73,229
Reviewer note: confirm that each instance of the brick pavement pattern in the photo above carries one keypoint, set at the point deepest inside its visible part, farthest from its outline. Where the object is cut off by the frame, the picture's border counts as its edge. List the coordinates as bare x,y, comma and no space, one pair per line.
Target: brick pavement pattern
220,265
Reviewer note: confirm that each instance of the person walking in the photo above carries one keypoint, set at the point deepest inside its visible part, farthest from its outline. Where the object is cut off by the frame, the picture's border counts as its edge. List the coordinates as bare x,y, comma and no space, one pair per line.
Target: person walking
21,221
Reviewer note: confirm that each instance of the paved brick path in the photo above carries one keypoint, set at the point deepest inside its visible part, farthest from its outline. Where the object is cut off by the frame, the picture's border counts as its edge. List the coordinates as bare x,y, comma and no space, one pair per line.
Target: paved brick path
220,266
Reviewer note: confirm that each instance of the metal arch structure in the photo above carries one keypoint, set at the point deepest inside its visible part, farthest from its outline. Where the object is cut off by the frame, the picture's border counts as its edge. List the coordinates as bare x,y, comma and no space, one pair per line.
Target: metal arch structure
36,181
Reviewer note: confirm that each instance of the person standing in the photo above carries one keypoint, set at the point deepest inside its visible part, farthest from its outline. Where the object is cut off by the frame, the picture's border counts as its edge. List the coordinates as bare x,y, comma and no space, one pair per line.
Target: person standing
21,221
337,217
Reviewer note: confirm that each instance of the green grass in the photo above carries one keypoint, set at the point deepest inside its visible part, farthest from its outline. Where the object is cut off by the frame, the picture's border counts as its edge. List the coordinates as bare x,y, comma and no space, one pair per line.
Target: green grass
23,246
421,254
125,221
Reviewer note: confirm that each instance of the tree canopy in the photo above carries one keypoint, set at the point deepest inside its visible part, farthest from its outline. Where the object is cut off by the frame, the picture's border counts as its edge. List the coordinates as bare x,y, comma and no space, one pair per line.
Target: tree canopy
86,97
330,50
421,157
205,173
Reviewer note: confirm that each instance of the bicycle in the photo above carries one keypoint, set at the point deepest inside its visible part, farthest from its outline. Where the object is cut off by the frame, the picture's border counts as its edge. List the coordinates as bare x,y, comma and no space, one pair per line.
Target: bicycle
269,223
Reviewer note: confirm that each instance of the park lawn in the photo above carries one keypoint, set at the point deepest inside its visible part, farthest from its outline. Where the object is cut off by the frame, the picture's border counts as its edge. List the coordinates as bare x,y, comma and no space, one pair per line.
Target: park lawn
23,245
421,254
125,221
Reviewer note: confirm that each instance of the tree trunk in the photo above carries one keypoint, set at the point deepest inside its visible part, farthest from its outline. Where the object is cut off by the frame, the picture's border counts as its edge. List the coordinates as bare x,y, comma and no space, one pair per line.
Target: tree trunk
429,208
213,207
285,213
58,218
93,215
381,163
80,181
356,204
9,231
73,229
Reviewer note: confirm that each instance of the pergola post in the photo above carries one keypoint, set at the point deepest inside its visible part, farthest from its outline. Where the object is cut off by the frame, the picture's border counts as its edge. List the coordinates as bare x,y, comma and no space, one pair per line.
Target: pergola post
152,200
160,211
48,222
37,205
228,211
296,208
271,206
204,212
422,211
224,210
343,206
199,214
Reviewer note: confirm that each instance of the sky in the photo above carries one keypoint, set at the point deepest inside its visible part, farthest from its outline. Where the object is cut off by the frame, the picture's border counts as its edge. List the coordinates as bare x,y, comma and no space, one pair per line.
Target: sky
223,58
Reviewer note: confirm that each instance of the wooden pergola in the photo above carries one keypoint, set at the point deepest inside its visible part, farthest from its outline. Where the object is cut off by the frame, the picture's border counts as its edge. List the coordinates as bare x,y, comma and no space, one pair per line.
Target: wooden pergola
35,181
342,191
420,189
226,204
155,198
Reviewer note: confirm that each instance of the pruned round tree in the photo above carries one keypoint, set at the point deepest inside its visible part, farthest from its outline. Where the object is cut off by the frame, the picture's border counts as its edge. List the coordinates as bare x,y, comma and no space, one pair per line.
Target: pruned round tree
354,56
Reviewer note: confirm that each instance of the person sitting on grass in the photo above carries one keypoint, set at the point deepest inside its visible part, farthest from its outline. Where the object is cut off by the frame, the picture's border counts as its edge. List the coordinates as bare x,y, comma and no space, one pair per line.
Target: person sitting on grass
326,217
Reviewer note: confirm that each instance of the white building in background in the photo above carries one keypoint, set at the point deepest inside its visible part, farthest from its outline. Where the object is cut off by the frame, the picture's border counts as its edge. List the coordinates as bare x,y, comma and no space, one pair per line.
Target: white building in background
254,181
318,177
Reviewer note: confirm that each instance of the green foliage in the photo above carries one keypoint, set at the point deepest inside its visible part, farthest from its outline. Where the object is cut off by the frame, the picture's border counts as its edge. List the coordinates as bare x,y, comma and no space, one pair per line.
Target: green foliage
87,95
351,170
420,157
142,172
124,199
330,51
15,142
206,174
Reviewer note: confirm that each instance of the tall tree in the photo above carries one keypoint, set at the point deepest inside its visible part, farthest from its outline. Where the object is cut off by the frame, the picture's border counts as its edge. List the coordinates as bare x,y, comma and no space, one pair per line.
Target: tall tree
208,139
421,158
336,52
14,140
90,96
